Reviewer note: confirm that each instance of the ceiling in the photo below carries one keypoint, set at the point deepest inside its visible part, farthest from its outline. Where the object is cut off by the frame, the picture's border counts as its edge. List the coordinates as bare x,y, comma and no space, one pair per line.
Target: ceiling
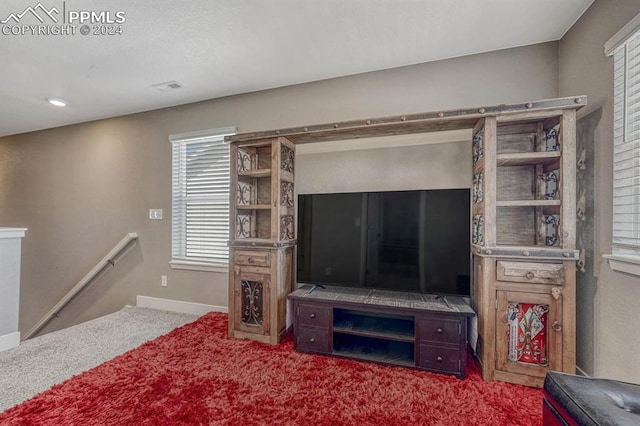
216,48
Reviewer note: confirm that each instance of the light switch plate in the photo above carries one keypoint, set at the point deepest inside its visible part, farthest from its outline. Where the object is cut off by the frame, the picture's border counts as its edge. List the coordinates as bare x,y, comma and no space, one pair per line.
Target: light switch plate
155,214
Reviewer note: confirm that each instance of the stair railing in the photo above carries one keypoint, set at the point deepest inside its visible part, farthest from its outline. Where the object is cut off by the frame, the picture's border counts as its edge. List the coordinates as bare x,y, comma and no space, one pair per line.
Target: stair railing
108,260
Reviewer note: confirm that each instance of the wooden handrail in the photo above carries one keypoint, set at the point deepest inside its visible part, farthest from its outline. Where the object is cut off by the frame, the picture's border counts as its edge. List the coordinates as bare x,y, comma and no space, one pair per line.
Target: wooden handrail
108,260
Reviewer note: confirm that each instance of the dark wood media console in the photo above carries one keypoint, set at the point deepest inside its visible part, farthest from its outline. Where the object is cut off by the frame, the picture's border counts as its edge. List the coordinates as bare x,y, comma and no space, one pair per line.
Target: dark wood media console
407,329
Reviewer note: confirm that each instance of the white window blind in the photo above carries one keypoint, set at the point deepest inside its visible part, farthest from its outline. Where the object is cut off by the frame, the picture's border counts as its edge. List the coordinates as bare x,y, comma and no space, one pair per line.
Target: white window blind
200,204
626,152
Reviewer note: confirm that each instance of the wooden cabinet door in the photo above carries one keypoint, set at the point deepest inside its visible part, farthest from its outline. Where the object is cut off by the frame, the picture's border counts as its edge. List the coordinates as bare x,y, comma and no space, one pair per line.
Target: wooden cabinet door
528,332
251,301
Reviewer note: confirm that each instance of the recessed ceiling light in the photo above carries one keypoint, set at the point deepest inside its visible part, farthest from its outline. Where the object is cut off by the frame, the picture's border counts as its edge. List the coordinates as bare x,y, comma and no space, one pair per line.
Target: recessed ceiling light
56,102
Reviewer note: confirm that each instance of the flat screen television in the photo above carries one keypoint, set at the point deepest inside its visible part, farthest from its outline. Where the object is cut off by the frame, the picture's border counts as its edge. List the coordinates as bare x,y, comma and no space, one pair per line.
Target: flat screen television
414,241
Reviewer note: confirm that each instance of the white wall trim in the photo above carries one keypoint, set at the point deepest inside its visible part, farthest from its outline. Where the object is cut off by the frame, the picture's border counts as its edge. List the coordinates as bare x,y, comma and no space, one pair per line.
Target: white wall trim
9,341
12,232
581,372
222,131
629,264
621,36
199,266
177,305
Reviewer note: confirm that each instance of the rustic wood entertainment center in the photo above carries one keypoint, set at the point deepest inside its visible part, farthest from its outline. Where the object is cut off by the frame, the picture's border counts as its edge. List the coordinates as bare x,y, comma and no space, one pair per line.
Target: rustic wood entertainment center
390,327
523,243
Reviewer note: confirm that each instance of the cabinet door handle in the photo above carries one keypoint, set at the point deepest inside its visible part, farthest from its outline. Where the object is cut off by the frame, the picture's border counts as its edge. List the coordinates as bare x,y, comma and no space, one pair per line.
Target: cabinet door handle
250,260
312,340
529,275
312,316
556,326
439,359
439,330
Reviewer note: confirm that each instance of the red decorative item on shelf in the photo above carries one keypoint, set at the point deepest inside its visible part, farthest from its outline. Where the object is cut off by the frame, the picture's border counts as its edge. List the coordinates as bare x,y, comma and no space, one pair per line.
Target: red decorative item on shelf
528,333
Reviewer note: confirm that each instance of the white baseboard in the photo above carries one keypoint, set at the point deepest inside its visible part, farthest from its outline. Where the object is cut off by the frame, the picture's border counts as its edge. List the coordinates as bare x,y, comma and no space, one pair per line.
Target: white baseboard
9,341
581,372
177,305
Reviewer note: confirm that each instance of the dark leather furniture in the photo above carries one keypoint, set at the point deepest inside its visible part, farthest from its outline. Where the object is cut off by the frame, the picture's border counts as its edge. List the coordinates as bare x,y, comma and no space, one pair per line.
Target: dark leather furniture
578,400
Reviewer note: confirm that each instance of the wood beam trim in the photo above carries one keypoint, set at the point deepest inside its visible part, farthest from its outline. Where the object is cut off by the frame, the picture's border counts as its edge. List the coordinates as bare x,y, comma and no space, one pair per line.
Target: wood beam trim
406,124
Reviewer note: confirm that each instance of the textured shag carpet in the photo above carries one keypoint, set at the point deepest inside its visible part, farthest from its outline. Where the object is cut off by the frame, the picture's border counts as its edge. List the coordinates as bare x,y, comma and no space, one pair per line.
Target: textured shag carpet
197,375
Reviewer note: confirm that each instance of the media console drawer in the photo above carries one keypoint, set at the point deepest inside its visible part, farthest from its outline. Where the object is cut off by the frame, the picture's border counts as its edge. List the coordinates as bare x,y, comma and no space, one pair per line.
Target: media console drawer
435,329
313,340
399,328
313,315
440,358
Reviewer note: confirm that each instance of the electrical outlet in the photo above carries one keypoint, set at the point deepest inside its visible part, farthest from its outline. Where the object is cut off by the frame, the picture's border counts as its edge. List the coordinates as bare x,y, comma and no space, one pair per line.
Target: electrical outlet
163,280
155,214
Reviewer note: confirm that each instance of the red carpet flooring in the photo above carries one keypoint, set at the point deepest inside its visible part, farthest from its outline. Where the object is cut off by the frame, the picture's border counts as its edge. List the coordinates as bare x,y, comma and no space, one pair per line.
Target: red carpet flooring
195,375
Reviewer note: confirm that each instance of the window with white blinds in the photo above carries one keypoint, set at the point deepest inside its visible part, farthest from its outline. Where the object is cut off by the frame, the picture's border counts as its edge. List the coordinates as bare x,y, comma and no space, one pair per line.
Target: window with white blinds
626,151
200,205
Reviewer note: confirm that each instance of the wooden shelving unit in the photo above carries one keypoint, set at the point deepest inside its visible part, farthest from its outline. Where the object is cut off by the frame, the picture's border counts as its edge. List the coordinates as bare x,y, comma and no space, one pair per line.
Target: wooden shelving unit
523,244
523,234
262,238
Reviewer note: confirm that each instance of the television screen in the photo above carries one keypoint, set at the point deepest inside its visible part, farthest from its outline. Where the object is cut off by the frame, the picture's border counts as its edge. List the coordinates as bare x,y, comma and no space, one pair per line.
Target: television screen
399,240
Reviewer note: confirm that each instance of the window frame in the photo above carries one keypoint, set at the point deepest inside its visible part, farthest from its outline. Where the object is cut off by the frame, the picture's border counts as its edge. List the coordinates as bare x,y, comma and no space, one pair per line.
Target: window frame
179,257
625,257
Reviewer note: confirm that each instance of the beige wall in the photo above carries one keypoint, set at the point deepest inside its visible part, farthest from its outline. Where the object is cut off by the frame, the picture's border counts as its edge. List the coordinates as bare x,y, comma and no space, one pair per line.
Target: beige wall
80,189
584,69
432,166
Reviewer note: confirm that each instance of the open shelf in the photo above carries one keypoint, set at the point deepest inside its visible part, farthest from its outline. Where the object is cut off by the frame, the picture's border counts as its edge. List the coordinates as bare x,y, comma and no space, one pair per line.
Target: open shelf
528,203
538,183
374,349
263,242
258,173
534,135
529,158
528,223
253,206
390,327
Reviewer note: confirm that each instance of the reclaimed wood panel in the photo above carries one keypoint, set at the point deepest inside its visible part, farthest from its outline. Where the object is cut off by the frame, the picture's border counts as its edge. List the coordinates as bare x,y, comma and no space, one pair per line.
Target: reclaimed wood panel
516,183
515,226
